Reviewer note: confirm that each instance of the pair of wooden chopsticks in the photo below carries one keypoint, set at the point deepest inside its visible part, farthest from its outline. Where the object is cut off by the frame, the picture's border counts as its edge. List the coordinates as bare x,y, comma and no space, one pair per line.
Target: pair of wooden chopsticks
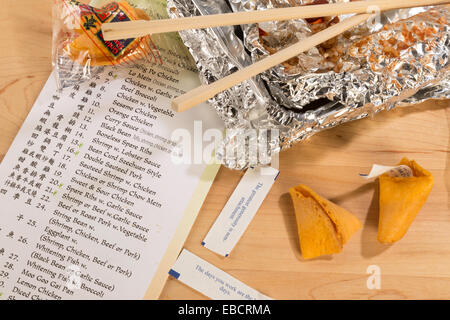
131,29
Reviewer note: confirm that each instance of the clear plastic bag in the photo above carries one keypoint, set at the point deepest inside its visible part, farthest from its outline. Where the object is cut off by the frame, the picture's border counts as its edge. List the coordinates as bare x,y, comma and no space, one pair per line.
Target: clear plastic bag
79,50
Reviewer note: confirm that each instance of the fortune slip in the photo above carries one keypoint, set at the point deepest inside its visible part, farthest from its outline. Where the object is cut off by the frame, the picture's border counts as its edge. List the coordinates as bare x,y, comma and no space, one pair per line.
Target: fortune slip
394,171
210,280
240,209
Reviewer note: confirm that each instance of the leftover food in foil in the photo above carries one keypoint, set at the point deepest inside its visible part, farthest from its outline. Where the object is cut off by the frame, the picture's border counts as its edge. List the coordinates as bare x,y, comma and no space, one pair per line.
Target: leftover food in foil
399,57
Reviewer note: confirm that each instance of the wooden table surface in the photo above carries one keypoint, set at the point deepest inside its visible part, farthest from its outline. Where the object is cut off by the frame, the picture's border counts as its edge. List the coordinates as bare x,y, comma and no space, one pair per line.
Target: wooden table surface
268,256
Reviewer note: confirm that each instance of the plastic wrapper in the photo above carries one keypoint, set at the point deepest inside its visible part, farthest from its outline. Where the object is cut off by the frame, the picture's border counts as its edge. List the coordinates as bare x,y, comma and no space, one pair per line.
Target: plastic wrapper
80,52
397,59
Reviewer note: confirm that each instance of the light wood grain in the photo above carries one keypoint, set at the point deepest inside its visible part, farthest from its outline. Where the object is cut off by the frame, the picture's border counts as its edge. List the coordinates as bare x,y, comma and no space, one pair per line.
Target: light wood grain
267,257
132,29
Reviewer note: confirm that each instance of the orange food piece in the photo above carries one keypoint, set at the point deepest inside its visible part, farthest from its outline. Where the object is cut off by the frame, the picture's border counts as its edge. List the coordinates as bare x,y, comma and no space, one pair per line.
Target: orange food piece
323,226
401,199
89,47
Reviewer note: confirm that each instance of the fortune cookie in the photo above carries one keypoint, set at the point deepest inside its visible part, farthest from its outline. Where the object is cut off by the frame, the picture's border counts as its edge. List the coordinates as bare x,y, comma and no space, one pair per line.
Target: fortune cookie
401,199
323,227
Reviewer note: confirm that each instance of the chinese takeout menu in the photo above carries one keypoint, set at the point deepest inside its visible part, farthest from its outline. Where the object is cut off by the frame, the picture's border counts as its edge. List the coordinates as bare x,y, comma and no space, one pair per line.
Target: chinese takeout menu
89,194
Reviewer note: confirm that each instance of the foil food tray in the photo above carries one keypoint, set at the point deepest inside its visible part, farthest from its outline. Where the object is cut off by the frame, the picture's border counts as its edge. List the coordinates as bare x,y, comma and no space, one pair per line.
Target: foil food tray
399,58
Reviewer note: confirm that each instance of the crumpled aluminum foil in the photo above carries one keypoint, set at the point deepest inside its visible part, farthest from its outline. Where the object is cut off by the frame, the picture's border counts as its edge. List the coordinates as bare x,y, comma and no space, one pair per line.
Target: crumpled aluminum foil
402,58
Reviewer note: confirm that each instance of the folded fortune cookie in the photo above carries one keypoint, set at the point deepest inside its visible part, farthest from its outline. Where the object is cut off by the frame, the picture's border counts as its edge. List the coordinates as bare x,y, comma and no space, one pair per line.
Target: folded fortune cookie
401,199
323,227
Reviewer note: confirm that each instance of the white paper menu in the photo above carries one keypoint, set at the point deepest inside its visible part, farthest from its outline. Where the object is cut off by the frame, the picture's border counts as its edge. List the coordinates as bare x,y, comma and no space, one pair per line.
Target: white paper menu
89,196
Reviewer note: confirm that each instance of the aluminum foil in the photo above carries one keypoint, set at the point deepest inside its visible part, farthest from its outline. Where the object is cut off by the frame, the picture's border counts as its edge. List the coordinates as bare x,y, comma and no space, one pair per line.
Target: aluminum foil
400,57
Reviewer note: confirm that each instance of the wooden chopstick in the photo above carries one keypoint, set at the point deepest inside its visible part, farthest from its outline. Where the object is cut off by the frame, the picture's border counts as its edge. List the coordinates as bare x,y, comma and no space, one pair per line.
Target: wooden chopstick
205,92
133,29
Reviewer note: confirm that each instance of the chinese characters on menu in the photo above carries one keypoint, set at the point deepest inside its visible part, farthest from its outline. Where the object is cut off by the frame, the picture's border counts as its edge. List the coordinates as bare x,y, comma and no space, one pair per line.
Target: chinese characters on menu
89,196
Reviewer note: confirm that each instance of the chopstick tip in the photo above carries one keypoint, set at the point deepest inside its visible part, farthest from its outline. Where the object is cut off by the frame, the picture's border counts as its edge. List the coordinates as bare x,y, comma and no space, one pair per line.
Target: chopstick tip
107,34
176,106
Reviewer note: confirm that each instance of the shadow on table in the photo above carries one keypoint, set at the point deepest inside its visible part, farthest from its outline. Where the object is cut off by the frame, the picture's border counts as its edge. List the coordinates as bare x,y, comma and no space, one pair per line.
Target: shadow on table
370,247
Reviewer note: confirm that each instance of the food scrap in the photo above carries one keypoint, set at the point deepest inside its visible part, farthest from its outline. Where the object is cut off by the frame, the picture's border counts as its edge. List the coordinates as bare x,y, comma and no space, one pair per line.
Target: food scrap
387,46
330,50
401,199
323,227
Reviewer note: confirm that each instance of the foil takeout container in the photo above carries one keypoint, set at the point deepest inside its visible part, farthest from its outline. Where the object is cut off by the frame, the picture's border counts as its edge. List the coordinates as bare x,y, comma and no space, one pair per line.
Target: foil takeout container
399,58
